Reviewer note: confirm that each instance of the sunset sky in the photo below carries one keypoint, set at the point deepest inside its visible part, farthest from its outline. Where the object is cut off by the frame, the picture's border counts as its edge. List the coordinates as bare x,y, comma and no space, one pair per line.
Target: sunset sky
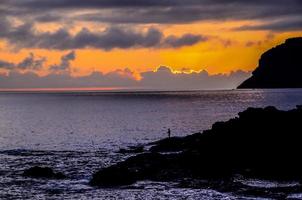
122,43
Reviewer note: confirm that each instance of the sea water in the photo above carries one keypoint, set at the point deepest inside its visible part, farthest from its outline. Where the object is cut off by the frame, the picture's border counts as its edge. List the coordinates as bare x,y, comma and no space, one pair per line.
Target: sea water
78,133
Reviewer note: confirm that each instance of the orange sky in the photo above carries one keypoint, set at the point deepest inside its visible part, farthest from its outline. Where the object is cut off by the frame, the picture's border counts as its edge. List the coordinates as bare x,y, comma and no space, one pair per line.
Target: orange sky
225,50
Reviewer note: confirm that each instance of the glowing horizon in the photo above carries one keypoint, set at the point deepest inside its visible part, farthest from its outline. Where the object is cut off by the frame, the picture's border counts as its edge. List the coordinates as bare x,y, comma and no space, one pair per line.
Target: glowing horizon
111,38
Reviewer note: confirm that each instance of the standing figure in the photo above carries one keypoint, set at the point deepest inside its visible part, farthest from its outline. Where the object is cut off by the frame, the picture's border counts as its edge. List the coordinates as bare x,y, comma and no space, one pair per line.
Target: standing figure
169,133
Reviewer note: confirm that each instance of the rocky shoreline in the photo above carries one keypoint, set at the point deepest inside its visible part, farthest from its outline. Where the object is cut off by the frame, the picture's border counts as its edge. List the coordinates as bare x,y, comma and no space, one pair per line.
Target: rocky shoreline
261,143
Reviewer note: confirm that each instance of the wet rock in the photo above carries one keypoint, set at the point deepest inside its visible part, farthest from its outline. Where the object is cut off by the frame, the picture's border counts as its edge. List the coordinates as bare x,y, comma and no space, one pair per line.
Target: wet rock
175,144
43,172
133,169
172,144
262,143
132,150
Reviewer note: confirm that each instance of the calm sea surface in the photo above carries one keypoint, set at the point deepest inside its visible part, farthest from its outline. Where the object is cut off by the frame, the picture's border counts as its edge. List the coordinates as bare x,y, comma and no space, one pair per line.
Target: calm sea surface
80,132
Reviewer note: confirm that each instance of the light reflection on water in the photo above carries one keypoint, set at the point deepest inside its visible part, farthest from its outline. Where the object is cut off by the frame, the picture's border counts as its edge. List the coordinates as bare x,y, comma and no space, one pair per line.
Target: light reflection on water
78,133
81,121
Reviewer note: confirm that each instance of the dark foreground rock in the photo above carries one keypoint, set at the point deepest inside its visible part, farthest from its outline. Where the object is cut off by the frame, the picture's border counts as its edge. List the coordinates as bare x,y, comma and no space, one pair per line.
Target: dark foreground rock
132,150
43,172
281,191
279,67
259,143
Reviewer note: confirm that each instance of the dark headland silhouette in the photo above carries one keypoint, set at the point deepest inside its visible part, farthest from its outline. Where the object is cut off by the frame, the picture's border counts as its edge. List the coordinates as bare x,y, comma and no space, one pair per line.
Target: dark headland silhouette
279,67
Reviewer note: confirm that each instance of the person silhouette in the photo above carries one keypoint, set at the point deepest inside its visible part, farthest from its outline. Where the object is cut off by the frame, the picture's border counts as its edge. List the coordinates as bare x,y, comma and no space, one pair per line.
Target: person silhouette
169,133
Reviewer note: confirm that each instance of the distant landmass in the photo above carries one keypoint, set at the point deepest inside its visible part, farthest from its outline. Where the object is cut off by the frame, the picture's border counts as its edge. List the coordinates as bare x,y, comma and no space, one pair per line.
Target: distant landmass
279,67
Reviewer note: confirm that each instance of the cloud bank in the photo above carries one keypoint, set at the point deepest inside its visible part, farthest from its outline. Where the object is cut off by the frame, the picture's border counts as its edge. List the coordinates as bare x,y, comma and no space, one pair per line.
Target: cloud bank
279,26
152,11
121,16
26,36
64,66
161,79
29,63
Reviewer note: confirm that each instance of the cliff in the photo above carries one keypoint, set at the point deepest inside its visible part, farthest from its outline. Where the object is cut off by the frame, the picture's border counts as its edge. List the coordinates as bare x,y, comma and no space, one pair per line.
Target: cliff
279,67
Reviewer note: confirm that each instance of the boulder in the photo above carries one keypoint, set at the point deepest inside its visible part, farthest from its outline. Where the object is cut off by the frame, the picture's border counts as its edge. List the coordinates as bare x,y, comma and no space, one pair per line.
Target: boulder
43,172
140,167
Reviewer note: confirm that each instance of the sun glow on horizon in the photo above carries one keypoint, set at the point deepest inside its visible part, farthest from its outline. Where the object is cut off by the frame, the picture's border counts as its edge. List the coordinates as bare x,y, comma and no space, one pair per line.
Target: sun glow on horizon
235,50
116,44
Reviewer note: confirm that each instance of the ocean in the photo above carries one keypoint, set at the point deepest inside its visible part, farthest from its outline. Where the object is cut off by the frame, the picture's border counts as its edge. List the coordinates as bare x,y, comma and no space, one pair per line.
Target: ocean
78,133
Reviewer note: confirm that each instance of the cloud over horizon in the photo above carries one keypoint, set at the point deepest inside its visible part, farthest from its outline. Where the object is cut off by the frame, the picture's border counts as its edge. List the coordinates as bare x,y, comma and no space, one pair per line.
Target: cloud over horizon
107,35
64,65
31,62
161,79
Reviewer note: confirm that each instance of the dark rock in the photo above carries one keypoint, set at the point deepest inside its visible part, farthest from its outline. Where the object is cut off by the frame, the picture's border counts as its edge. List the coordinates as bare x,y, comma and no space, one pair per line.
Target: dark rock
259,143
132,149
175,144
43,172
279,67
129,171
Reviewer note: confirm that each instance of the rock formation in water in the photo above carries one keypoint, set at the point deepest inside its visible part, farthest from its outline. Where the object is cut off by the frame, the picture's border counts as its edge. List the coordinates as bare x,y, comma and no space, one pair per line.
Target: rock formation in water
43,172
279,67
260,143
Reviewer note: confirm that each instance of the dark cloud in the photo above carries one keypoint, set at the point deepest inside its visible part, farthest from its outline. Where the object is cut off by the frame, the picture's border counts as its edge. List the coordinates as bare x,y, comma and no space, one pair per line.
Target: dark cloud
187,39
64,65
65,80
154,11
283,25
276,15
75,4
31,62
6,65
26,36
44,18
162,79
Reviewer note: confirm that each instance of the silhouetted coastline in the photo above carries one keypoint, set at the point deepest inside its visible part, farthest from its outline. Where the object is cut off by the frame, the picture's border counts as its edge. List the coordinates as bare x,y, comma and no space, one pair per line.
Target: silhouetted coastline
262,143
279,67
